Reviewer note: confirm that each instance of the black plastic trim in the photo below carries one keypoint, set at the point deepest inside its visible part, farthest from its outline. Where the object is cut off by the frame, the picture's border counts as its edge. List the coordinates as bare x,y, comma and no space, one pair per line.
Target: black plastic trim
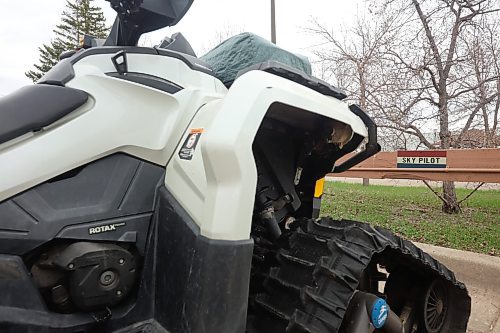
178,43
120,62
60,74
371,148
202,284
15,277
297,76
192,62
63,71
115,190
188,283
149,80
34,107
110,50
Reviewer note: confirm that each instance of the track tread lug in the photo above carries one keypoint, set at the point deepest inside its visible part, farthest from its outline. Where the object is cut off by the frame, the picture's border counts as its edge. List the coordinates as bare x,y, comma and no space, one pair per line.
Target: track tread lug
334,253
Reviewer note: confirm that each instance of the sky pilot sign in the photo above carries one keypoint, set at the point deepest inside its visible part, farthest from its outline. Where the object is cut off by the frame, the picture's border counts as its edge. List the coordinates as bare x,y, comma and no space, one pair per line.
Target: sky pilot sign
421,159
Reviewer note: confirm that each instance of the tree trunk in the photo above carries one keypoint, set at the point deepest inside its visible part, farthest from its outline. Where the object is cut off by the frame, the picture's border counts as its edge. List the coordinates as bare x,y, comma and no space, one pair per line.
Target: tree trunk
451,206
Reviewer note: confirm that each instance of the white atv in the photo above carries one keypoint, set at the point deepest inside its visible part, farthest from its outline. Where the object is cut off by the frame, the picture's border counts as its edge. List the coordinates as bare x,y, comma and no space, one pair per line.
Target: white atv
138,193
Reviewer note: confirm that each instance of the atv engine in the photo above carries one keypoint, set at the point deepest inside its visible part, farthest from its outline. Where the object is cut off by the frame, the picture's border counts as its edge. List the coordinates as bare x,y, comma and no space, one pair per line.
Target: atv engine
85,276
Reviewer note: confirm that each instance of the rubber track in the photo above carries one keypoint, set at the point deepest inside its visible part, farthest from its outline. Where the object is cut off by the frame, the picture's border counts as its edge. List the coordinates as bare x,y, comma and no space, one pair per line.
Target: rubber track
317,276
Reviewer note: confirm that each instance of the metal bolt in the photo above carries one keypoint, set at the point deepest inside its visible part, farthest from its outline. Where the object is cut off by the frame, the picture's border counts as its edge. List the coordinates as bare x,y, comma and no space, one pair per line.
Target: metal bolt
118,292
107,278
121,261
71,266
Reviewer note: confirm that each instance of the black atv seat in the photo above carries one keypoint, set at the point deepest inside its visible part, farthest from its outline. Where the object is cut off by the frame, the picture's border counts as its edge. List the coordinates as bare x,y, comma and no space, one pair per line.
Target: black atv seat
33,107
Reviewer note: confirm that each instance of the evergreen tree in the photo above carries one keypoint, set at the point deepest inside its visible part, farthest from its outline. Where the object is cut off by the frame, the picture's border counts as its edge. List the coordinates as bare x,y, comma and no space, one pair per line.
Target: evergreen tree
79,18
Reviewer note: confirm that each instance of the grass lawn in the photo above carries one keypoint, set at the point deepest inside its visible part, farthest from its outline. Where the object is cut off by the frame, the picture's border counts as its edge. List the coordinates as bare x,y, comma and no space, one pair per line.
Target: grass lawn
415,213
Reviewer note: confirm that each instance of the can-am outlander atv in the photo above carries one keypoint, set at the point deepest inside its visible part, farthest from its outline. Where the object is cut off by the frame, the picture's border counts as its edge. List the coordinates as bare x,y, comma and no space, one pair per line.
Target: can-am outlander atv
140,193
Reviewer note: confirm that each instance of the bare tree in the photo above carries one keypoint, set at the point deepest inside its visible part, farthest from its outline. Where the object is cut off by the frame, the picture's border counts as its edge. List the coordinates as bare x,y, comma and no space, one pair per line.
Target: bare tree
418,62
483,87
358,60
354,61
442,24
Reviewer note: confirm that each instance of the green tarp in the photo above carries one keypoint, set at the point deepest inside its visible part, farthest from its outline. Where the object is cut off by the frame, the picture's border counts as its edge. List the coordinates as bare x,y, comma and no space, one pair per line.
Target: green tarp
246,49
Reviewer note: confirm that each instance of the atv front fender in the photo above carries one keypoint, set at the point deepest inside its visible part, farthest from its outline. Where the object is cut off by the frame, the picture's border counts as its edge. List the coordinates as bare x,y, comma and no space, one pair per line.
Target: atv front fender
217,186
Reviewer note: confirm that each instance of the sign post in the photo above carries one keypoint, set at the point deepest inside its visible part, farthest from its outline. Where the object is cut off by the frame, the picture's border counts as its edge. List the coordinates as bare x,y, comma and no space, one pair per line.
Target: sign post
273,21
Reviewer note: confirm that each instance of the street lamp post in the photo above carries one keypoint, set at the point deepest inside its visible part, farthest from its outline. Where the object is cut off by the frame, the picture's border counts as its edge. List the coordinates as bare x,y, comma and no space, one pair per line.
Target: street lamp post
273,21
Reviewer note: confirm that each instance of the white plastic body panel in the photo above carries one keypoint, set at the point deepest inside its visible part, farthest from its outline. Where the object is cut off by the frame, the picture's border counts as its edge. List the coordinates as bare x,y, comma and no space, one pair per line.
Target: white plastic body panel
169,68
120,116
217,186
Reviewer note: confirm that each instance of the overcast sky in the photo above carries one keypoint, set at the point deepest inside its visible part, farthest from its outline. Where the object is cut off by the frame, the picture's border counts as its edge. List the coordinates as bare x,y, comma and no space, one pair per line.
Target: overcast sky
26,24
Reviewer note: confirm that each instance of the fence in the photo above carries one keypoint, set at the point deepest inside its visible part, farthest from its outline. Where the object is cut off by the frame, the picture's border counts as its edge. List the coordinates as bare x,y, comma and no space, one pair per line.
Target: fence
465,165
